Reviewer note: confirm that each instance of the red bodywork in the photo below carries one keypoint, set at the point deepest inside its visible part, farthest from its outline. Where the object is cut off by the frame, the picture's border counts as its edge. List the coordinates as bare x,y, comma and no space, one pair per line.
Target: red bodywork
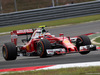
31,45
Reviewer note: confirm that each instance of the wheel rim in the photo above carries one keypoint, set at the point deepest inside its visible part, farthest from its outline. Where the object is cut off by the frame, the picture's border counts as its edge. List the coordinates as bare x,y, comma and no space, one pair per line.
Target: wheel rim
39,49
79,41
4,52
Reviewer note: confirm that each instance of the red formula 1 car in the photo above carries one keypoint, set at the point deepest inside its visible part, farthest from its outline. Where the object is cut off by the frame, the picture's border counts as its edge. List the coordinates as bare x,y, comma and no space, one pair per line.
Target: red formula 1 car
43,44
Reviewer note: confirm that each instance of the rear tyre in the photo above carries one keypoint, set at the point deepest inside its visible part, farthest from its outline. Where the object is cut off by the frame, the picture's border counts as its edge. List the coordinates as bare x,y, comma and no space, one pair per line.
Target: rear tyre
42,45
9,51
82,41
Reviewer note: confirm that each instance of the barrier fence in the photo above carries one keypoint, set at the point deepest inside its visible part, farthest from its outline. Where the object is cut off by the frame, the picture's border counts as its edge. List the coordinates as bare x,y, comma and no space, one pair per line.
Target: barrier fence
7,6
50,13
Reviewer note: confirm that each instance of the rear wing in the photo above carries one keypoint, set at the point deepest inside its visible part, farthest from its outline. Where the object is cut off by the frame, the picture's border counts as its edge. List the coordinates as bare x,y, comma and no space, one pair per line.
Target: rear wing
16,33
22,32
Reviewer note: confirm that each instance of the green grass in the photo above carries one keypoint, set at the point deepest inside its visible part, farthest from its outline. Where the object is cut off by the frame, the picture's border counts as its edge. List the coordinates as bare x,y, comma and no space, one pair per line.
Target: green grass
52,23
97,40
66,71
94,35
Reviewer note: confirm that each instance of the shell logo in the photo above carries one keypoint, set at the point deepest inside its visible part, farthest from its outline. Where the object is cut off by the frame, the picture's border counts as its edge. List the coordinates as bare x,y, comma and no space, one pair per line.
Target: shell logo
66,41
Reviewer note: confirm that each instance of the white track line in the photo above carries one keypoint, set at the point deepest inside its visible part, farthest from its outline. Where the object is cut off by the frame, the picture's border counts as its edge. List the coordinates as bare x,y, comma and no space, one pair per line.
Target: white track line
83,64
59,66
4,33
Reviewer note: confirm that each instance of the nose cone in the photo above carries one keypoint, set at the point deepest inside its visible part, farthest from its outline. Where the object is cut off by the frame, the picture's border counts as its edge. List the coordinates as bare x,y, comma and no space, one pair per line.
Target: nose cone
70,46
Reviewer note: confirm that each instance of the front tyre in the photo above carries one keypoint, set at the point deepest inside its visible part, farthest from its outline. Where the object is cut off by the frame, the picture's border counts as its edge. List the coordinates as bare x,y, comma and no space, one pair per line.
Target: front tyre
82,41
42,45
9,51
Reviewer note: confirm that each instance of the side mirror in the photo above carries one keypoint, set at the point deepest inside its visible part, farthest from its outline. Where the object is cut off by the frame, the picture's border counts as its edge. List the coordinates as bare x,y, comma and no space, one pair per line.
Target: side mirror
61,34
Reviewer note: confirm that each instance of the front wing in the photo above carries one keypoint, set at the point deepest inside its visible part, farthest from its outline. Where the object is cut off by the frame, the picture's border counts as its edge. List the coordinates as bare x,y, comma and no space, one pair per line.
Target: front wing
63,50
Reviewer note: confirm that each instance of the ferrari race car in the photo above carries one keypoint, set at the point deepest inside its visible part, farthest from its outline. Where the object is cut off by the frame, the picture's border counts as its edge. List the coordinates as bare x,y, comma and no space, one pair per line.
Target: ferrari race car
43,44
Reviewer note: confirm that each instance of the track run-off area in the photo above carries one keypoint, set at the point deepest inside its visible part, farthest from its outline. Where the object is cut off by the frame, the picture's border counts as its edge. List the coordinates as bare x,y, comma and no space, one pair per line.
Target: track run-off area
71,30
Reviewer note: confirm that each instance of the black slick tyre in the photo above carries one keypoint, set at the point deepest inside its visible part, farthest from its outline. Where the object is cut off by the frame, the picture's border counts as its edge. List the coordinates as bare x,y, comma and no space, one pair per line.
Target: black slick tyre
82,41
42,45
9,51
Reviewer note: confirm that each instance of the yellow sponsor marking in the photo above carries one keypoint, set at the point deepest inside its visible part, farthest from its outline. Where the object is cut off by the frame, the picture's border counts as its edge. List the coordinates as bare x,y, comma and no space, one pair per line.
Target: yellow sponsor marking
28,48
66,41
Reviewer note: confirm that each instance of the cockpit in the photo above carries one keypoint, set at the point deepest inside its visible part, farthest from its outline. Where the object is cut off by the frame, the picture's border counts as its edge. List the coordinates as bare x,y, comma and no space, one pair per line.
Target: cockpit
39,33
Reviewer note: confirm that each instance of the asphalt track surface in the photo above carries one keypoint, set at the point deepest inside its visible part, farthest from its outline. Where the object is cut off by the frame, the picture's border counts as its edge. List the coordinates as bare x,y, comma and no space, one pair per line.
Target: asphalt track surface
72,30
